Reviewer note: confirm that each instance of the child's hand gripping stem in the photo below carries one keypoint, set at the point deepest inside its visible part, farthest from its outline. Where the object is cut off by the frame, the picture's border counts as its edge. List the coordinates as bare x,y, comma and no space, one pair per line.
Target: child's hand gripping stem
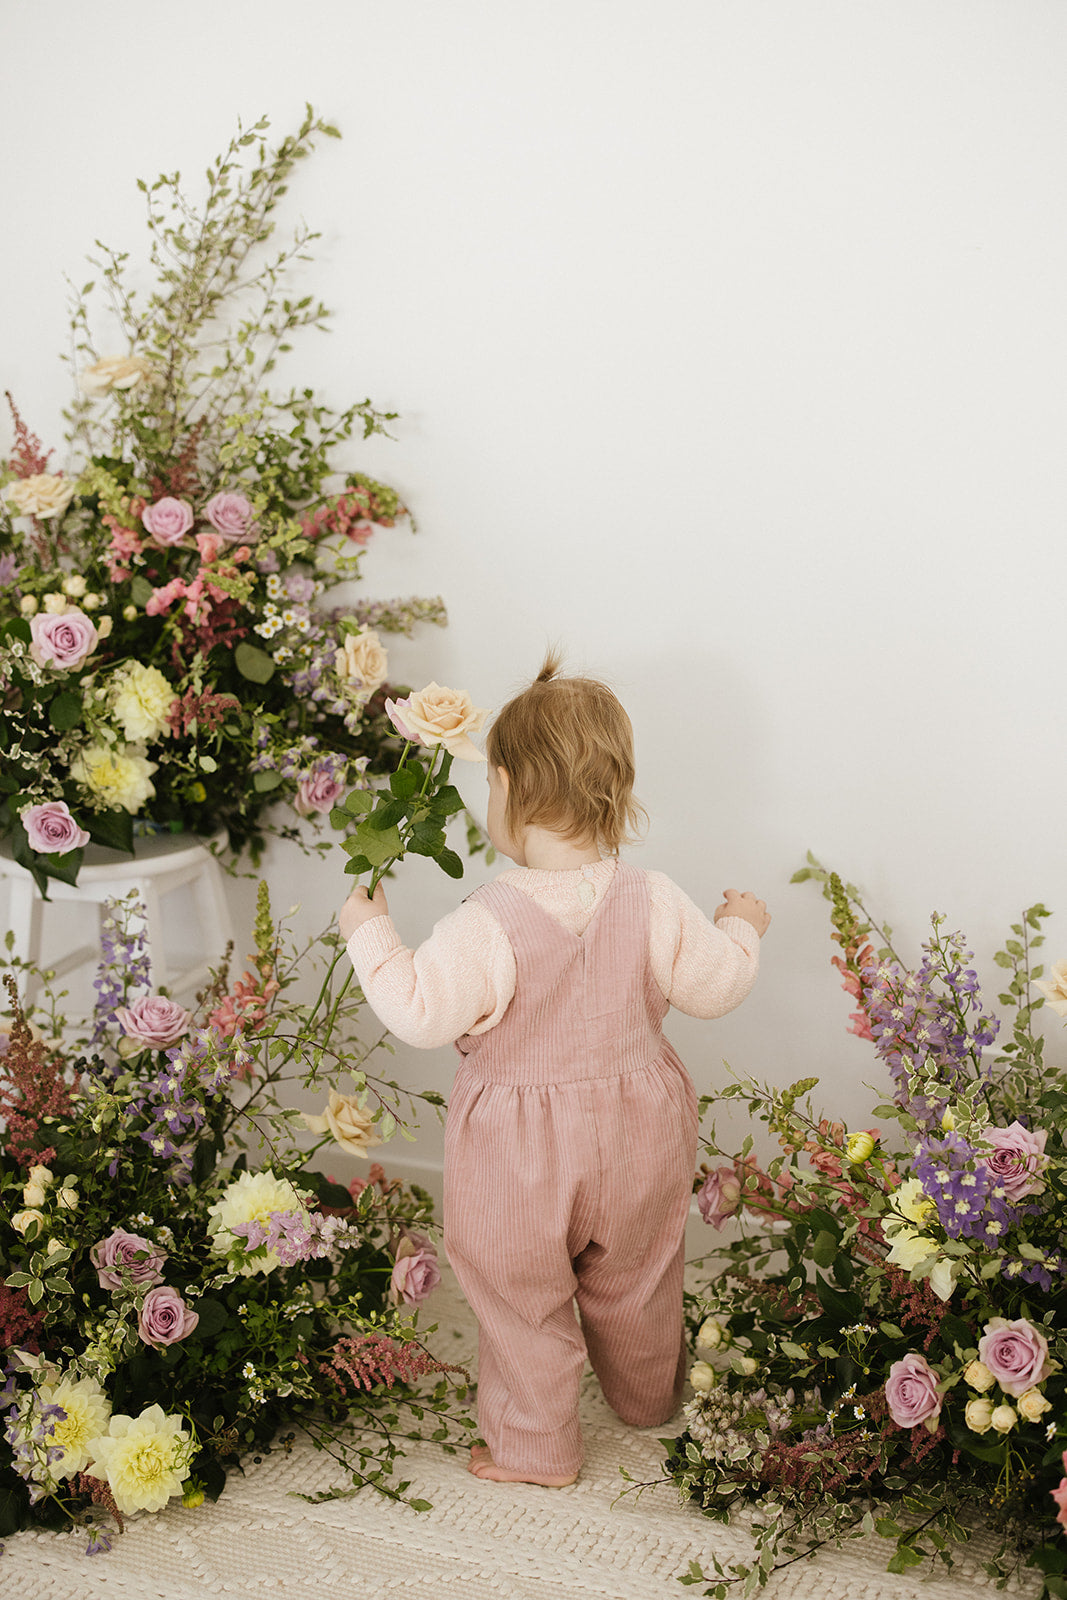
413,813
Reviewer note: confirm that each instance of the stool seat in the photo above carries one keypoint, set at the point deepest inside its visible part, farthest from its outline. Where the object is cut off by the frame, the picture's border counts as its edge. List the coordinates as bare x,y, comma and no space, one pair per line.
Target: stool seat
161,863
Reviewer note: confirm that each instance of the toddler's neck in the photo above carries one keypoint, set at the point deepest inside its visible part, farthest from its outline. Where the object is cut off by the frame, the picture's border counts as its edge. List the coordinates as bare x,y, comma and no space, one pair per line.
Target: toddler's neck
545,851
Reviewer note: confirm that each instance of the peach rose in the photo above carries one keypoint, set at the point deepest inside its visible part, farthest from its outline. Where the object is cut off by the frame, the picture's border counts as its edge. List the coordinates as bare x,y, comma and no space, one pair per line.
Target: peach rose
362,661
345,1120
114,372
1056,991
436,715
42,495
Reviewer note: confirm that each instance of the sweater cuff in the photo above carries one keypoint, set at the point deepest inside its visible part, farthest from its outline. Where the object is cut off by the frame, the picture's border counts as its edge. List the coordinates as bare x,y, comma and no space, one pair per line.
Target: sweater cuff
741,932
371,944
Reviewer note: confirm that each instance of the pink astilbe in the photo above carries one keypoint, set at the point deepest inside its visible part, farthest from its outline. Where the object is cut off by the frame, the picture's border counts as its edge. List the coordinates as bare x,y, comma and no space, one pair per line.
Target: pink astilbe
31,1088
916,1303
360,1363
818,1469
29,456
204,712
19,1321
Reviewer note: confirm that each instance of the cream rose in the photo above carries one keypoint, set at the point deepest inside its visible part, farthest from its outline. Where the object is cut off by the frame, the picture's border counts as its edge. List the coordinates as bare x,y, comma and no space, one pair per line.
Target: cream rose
42,495
436,715
978,1376
703,1377
978,1414
22,1221
114,372
1004,1418
345,1120
361,661
1033,1405
1056,989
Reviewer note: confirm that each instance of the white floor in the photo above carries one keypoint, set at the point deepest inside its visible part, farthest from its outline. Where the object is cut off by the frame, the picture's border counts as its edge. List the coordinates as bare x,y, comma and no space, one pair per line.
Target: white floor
481,1541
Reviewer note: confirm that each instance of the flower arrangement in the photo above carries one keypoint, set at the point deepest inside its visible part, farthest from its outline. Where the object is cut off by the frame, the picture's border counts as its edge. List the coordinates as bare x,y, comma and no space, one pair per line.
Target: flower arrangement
887,1352
167,655
181,1279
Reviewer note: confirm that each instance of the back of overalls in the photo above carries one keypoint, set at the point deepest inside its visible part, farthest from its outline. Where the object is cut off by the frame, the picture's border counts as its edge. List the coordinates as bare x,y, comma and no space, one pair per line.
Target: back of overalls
570,1145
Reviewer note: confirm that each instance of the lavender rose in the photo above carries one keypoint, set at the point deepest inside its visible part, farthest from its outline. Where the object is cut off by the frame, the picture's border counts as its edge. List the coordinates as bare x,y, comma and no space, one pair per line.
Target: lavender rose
231,516
1015,1353
62,641
911,1392
1018,1159
51,829
415,1273
719,1196
319,791
153,1021
121,1249
168,520
165,1318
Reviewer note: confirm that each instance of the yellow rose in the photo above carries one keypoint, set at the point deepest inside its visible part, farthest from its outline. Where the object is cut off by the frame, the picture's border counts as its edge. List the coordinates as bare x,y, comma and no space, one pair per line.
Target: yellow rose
1056,990
978,1415
361,658
114,372
1033,1405
118,777
437,715
345,1120
42,495
141,697
702,1377
979,1377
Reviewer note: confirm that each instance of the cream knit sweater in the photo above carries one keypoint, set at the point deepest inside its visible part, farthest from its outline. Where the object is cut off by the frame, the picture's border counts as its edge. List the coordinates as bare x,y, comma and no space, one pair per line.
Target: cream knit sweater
462,978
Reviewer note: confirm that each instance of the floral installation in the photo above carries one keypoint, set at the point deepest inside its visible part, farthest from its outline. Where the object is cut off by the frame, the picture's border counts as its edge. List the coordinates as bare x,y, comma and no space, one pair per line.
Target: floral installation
885,1350
414,813
169,656
181,1279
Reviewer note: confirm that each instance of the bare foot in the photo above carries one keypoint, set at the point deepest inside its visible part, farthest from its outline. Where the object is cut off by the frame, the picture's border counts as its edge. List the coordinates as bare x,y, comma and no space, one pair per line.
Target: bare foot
483,1466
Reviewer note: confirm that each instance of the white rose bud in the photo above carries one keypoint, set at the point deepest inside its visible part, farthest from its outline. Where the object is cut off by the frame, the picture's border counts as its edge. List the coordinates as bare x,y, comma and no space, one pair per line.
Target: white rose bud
22,1221
746,1365
43,1175
75,585
1033,1405
54,1245
702,1377
978,1415
712,1333
129,613
33,1194
92,602
979,1377
55,603
28,605
1004,1418
103,627
68,1198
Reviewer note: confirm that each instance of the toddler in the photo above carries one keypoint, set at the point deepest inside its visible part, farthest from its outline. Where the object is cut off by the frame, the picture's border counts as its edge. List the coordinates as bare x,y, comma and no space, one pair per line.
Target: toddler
571,1134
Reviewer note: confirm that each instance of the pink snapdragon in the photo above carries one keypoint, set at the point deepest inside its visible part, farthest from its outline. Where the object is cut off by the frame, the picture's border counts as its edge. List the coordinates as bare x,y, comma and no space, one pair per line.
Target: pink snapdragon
51,829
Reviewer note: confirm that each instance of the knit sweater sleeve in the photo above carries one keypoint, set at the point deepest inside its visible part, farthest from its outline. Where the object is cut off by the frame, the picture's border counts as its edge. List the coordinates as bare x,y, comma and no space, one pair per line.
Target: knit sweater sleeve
460,980
704,968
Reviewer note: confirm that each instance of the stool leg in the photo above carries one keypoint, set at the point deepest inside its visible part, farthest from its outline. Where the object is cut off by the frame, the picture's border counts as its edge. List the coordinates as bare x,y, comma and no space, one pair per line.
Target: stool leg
24,915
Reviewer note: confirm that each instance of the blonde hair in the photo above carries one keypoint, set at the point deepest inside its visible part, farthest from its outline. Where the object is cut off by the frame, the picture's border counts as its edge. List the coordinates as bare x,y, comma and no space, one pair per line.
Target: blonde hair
566,745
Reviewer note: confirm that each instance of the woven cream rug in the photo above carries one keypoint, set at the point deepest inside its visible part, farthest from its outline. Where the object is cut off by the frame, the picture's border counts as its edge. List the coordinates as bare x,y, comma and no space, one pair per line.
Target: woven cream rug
481,1541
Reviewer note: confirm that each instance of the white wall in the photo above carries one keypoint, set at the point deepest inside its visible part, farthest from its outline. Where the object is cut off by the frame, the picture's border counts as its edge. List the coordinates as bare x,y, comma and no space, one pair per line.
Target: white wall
730,342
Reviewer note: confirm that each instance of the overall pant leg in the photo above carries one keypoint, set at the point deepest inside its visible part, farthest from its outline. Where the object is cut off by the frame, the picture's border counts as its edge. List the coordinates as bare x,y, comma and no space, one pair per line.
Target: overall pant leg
508,1161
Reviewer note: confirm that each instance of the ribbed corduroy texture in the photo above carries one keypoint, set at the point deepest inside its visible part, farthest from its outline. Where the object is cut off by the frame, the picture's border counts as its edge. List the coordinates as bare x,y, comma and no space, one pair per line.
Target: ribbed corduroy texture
569,1152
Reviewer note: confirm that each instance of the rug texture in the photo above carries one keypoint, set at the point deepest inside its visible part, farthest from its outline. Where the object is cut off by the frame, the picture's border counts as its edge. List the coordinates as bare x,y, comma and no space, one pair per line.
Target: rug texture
481,1541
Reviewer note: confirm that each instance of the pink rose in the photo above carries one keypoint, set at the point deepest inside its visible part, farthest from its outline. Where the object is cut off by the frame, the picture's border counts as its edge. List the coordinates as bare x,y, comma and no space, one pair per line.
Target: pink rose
719,1196
169,520
153,1021
319,791
165,1318
62,641
1018,1159
1060,1496
415,1273
1015,1353
911,1392
51,829
121,1249
393,710
230,515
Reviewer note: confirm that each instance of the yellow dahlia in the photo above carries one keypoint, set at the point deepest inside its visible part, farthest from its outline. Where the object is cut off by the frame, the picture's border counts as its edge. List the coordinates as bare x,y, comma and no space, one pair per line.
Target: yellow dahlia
144,1459
88,1411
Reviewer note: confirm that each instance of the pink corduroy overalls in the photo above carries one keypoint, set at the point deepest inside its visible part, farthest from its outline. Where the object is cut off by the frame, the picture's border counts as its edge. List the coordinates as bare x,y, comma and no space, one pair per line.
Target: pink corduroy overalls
570,1144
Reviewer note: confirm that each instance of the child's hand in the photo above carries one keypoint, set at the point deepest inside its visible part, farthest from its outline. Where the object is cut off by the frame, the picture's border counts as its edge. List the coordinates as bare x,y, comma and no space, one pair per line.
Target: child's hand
744,905
358,909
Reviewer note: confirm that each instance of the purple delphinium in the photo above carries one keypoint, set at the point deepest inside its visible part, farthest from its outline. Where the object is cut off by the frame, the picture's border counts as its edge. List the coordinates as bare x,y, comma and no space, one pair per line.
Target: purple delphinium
29,1429
174,1101
971,1202
124,963
9,571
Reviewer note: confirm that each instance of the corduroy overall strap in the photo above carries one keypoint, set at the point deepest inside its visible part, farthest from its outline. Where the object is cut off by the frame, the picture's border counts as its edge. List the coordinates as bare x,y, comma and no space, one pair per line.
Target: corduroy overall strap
585,1006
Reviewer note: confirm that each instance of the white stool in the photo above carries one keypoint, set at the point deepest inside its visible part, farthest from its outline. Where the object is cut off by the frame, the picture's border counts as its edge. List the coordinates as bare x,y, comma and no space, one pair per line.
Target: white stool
163,862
